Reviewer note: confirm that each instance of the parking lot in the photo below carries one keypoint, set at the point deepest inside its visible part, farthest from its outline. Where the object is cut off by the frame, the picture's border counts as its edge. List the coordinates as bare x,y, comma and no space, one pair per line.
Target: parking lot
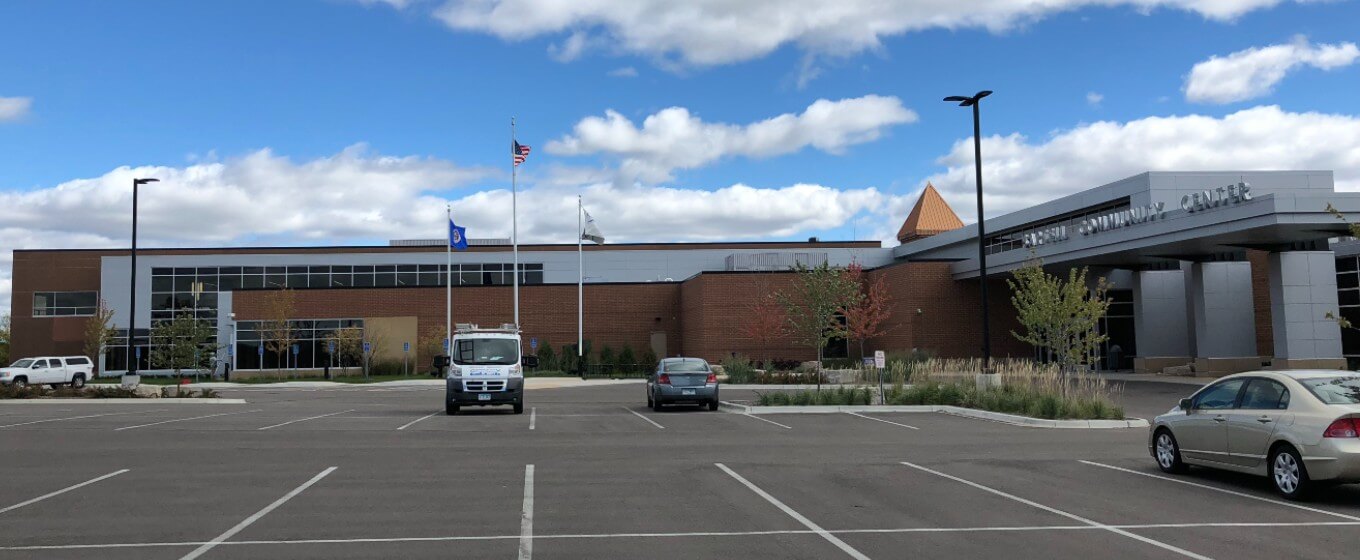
363,472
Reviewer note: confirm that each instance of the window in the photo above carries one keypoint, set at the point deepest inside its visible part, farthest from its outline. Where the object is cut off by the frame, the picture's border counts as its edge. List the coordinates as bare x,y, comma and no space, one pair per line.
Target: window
1335,390
77,361
487,351
1220,396
1265,394
26,362
65,304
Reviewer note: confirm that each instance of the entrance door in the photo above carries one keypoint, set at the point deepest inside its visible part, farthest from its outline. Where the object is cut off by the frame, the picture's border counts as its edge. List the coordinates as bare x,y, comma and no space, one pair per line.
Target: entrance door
659,343
1117,351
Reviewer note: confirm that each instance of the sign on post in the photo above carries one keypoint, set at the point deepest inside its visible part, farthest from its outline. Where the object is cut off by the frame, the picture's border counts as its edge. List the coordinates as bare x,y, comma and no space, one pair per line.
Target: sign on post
406,347
367,347
880,359
296,349
533,343
330,347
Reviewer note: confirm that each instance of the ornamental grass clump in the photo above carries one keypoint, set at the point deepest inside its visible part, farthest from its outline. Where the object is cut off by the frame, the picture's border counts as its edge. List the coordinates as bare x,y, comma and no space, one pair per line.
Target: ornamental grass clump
1027,388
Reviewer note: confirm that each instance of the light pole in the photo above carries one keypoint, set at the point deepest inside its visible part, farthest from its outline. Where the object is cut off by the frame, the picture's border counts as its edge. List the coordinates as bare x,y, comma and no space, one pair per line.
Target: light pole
973,102
130,378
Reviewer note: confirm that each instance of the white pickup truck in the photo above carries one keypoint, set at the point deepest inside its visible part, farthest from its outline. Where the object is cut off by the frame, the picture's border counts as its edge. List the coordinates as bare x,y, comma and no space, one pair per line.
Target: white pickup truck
48,370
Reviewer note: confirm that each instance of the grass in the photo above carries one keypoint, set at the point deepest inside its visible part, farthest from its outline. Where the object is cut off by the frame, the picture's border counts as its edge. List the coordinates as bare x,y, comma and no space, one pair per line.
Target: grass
1027,389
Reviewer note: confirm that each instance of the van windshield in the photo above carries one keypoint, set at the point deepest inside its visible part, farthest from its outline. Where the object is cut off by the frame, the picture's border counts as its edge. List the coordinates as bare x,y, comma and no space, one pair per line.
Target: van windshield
486,351
22,363
1335,390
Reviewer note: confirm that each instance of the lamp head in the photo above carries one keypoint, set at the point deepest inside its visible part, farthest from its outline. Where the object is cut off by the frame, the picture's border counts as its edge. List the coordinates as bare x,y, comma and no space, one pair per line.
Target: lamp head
144,181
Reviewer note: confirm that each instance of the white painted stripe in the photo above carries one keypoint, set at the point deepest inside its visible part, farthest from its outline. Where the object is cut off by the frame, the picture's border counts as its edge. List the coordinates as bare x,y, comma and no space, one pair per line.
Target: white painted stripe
857,555
79,417
256,517
305,419
533,416
1071,516
881,420
181,420
764,420
62,491
526,517
635,413
409,424
1224,490
380,540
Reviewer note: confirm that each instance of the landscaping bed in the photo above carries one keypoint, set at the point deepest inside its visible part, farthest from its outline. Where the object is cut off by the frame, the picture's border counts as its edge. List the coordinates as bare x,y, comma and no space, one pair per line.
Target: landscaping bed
35,392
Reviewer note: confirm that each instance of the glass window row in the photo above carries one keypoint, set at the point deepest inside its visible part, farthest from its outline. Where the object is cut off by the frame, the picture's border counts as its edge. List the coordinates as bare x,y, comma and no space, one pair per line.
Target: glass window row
214,279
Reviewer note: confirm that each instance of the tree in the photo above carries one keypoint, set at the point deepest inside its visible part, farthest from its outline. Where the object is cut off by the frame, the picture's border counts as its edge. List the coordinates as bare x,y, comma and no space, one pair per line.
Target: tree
99,331
1060,317
432,344
277,328
812,304
649,360
865,315
184,342
4,339
765,323
568,360
375,340
627,360
606,360
547,358
349,345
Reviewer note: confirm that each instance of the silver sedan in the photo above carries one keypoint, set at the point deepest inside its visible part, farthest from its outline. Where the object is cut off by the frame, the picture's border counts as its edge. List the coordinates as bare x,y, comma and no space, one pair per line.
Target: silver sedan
1300,428
682,381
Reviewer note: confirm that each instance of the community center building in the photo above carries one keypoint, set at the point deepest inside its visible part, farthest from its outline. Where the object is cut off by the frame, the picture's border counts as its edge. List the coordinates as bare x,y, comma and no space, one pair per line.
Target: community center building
1227,271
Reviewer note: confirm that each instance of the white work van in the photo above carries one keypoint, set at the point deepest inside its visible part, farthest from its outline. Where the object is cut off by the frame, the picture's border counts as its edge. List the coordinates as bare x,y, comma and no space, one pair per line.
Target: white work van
48,370
485,368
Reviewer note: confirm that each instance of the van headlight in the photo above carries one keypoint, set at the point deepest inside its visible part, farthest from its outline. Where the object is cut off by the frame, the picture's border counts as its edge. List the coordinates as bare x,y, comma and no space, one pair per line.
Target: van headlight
516,370
454,371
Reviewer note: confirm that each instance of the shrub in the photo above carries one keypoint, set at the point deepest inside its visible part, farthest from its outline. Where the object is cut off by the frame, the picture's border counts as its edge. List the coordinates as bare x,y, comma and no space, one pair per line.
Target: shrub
739,370
627,361
606,357
386,367
547,359
649,360
568,359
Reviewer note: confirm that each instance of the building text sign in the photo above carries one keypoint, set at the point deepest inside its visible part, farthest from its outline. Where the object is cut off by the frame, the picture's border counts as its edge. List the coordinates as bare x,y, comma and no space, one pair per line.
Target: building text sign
1213,198
1090,225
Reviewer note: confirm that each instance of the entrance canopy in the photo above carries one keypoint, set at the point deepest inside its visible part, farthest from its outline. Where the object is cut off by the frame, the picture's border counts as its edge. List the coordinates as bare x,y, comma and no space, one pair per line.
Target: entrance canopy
1154,220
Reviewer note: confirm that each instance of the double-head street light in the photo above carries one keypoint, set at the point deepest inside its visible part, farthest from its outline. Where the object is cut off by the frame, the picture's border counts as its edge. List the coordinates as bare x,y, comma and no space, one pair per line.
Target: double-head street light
973,102
130,378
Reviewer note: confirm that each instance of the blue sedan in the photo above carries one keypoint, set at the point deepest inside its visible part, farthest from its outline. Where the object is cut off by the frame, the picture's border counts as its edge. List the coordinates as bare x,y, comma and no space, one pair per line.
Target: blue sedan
682,381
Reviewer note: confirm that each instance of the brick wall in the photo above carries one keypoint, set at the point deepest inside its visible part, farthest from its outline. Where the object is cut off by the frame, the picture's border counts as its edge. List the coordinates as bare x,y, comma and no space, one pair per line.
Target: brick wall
933,312
54,271
1260,295
714,306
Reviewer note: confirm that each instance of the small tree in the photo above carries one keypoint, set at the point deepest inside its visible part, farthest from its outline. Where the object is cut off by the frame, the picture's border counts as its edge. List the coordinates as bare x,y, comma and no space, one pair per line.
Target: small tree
432,344
812,304
277,328
99,331
1061,317
627,360
568,359
607,359
765,323
376,341
865,315
649,360
349,346
4,339
184,342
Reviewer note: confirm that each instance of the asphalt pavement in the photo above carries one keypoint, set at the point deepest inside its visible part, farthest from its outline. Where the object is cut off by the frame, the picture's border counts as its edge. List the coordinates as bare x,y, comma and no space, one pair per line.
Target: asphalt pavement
590,472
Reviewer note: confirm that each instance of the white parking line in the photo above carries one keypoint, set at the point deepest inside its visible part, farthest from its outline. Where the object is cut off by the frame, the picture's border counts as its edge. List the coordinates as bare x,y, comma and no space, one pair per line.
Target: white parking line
881,420
62,491
305,419
635,413
181,420
908,530
526,516
409,424
256,517
79,417
857,555
764,420
533,416
1223,490
1071,516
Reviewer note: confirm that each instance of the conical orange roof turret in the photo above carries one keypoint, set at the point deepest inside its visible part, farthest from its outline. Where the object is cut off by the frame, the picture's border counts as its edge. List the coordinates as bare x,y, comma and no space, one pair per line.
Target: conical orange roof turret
930,216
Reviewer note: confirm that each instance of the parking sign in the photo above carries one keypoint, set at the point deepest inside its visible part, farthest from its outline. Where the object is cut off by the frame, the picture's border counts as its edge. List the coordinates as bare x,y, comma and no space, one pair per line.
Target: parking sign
296,349
367,347
880,359
259,350
533,343
330,347
406,347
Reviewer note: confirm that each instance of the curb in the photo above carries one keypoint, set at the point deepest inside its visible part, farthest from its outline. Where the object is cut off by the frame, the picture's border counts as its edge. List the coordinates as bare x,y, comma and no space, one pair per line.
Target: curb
157,400
943,409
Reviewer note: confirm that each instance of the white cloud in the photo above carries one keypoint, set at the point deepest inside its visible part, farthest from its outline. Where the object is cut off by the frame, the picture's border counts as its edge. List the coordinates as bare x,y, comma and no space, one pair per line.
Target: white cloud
261,197
710,32
673,138
1254,72
1018,173
395,4
625,72
1094,99
14,108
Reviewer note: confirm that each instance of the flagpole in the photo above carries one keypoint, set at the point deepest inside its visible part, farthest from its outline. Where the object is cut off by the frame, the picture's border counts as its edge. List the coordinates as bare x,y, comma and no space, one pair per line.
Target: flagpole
514,216
448,283
581,280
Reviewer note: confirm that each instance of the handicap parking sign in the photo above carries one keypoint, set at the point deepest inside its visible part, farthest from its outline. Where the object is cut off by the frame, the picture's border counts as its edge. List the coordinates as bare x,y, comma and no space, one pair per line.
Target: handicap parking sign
295,349
533,343
406,347
367,347
259,350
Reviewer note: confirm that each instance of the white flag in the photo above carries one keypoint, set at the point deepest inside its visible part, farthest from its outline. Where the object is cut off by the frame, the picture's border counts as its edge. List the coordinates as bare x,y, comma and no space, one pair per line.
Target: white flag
591,232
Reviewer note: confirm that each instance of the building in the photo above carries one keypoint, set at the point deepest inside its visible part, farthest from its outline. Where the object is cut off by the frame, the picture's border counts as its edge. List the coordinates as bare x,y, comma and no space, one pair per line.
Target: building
1225,270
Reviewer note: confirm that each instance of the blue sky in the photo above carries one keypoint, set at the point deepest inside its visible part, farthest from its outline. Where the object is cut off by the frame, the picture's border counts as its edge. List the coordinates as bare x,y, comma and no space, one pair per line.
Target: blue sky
369,114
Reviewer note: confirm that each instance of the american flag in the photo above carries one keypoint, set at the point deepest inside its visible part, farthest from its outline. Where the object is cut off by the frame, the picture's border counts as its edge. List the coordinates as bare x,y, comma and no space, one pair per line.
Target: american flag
520,151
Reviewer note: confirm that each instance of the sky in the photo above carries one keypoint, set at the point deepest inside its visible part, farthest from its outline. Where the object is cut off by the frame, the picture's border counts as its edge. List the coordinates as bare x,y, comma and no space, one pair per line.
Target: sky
321,122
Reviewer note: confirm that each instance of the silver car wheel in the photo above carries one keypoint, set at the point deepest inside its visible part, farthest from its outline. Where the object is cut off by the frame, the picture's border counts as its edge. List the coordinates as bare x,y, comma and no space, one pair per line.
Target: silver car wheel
1166,451
1286,472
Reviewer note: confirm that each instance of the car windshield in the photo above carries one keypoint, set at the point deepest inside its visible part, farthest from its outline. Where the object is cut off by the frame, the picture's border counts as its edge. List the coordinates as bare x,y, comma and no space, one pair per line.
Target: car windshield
22,363
486,351
1335,390
687,366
